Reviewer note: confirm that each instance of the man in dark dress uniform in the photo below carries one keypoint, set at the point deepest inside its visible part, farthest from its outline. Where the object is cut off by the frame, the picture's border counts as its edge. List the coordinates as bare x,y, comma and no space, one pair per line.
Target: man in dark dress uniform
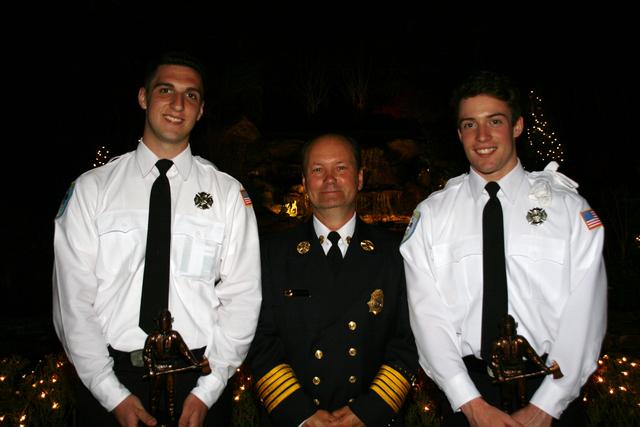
333,344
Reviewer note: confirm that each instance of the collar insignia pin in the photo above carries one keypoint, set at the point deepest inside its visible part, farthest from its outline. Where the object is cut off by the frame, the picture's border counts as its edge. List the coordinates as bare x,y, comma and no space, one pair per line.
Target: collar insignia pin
367,245
536,216
303,247
203,200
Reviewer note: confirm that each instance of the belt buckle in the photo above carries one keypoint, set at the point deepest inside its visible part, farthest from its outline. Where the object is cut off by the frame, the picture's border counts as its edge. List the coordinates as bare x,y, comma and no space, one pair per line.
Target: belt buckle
136,359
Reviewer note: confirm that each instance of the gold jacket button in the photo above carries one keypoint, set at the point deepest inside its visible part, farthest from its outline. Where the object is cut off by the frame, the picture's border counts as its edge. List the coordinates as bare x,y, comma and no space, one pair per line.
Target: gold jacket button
353,352
315,380
352,325
316,402
351,400
319,354
353,379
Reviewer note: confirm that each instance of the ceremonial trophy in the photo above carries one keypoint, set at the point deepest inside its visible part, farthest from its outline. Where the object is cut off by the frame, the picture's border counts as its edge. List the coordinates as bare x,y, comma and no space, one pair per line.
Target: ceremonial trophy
508,365
165,354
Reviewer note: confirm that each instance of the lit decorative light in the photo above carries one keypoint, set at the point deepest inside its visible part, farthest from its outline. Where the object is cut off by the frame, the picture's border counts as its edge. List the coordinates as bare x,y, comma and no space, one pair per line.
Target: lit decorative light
292,208
614,387
102,155
542,140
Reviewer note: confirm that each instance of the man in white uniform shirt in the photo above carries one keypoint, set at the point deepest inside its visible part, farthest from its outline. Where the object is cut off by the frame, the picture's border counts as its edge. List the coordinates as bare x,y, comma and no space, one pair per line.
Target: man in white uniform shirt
100,237
556,279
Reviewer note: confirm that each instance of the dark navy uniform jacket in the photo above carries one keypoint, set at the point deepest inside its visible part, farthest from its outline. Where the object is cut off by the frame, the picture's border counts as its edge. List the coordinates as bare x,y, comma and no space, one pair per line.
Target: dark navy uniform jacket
325,342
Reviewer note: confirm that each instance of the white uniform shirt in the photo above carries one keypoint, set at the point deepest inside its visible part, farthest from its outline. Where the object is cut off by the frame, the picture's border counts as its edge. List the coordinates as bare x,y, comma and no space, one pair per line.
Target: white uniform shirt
555,274
99,245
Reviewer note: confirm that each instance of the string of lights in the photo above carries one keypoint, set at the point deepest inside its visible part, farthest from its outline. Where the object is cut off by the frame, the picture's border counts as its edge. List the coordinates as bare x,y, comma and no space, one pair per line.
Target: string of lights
42,394
540,138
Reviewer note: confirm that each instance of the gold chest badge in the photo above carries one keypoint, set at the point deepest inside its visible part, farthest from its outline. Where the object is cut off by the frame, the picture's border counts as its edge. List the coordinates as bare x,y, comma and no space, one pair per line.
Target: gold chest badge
376,302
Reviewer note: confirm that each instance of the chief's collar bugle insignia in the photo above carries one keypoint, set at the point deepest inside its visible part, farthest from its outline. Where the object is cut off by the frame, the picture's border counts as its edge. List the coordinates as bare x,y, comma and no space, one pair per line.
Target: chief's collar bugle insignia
348,240
367,245
321,238
376,302
303,247
536,216
203,200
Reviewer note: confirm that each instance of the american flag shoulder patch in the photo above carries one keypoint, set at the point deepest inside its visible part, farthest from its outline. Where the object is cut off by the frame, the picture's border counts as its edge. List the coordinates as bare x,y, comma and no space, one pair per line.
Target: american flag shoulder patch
245,197
591,219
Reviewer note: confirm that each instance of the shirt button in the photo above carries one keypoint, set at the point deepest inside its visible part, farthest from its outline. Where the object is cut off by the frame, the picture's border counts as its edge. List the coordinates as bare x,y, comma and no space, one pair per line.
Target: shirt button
315,380
353,352
319,354
353,379
352,325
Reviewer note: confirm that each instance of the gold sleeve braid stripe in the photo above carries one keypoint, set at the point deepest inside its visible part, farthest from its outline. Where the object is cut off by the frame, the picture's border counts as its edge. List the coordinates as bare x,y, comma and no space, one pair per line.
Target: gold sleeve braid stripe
391,386
276,385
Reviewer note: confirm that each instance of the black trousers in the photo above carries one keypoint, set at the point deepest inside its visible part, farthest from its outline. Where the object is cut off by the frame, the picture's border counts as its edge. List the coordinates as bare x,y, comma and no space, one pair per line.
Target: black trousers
574,415
90,413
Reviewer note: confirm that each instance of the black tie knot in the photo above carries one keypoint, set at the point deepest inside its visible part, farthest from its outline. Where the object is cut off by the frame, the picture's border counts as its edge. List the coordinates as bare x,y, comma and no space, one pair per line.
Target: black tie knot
164,165
334,237
492,188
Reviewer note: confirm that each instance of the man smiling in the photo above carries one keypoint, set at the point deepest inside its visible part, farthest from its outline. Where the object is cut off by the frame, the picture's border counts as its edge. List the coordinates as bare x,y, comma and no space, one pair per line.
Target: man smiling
550,253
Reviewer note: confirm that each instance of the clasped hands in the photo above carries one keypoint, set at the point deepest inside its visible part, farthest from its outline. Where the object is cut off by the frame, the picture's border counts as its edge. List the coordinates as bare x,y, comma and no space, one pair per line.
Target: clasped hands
343,417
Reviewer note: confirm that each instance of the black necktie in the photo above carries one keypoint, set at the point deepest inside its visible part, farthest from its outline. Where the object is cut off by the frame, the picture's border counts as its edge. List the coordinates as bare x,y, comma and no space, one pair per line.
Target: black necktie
494,297
155,282
334,255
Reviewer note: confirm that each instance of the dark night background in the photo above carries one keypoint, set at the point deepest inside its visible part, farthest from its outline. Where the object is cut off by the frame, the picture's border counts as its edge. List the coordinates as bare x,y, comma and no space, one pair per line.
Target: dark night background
72,87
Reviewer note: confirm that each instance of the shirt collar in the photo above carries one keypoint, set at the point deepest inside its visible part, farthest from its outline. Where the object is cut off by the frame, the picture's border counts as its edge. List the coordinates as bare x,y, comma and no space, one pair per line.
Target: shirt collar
147,160
345,231
509,183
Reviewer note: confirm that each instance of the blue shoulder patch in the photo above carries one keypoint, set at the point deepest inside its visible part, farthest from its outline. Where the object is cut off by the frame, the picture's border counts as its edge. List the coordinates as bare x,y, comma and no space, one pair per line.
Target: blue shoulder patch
65,200
411,227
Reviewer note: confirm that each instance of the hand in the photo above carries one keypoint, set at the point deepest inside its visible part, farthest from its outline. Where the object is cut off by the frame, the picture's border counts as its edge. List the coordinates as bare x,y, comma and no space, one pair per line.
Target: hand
532,416
204,366
346,418
193,412
130,411
319,419
479,414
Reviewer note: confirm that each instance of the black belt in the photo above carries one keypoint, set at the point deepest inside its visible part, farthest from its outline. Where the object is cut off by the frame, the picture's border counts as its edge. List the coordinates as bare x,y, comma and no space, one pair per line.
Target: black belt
134,358
480,366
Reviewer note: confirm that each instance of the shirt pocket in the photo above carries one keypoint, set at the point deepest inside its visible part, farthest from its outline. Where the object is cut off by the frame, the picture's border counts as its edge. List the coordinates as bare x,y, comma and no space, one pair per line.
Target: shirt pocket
538,248
122,241
537,265
197,247
457,265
